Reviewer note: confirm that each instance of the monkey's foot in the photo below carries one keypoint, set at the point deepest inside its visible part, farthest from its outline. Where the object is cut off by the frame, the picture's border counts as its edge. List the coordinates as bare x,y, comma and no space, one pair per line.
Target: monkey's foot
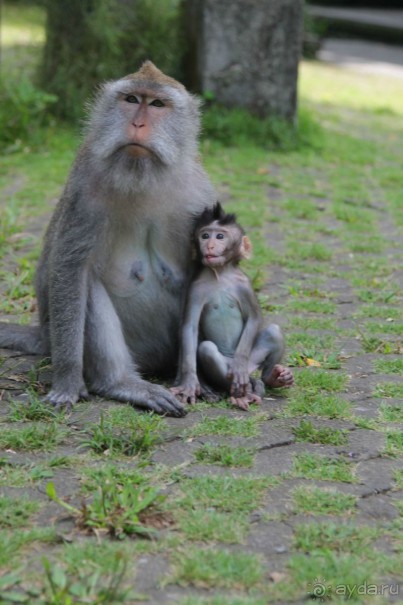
279,377
183,395
64,400
208,394
245,401
257,386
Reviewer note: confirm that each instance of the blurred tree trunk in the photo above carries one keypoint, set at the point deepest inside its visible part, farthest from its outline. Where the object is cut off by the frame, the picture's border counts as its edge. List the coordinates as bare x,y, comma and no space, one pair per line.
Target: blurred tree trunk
90,41
245,53
68,69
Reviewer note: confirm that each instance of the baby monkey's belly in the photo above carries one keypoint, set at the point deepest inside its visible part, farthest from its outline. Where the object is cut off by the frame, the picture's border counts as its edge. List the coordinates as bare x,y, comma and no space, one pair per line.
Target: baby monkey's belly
222,323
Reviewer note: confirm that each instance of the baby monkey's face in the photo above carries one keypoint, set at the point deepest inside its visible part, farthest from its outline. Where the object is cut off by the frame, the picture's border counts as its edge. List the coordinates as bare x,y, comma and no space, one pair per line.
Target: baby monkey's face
219,244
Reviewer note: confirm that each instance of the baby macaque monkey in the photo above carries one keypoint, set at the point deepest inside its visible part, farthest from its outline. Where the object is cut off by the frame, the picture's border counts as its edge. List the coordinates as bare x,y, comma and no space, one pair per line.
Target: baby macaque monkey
223,337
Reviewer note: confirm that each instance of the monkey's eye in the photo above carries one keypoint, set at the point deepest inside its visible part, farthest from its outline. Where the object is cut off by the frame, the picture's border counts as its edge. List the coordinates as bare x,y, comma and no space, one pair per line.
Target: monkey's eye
157,103
205,236
220,236
132,99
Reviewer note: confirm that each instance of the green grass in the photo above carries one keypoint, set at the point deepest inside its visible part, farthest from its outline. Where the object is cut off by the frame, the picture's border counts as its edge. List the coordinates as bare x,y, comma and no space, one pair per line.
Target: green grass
315,501
124,431
35,437
213,526
391,413
223,600
306,431
91,478
16,512
371,310
333,537
398,476
316,251
224,493
216,508
34,410
325,573
13,542
383,328
312,466
217,568
316,380
389,389
389,366
304,340
316,404
227,427
226,455
394,443
310,323
117,508
20,475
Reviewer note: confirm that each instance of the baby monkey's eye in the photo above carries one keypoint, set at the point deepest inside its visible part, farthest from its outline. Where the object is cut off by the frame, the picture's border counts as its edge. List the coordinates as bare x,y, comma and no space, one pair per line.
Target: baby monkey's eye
205,236
220,236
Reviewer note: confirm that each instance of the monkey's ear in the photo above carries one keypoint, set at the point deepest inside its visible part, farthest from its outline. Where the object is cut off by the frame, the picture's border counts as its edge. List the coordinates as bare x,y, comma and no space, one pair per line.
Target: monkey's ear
246,247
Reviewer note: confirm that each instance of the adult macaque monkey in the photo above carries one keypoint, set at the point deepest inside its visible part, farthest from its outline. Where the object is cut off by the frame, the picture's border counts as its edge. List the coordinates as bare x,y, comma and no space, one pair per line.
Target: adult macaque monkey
116,253
223,333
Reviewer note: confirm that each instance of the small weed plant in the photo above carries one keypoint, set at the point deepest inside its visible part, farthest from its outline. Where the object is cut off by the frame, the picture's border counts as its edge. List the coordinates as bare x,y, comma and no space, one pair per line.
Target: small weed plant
115,509
128,435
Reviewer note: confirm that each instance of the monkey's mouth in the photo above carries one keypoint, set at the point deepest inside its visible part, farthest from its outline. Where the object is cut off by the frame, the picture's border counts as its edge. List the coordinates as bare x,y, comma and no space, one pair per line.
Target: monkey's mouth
211,259
137,150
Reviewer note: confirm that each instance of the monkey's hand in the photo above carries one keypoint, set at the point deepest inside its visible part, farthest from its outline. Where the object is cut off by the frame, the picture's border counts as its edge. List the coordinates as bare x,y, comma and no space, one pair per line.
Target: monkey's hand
239,376
188,390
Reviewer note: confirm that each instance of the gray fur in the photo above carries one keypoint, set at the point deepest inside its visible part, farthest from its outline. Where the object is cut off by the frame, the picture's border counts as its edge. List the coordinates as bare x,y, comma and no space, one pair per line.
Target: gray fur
119,218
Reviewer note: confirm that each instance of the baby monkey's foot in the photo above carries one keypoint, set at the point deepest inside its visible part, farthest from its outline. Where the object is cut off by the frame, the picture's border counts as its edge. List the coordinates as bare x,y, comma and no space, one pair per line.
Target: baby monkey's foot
279,377
243,402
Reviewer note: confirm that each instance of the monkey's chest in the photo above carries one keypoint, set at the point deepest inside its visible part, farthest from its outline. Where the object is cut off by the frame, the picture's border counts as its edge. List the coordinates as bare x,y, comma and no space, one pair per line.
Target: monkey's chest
146,293
142,275
222,323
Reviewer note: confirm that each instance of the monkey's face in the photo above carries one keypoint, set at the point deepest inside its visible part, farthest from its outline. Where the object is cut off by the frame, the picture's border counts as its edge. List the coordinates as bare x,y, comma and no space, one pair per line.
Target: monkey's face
219,244
145,113
144,123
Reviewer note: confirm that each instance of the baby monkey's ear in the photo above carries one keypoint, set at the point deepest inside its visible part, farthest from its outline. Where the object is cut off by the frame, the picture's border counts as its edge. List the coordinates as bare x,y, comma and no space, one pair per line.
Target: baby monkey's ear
246,247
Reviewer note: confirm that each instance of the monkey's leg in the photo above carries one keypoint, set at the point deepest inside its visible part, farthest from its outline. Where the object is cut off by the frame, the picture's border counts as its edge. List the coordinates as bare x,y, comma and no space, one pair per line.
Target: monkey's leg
214,365
28,339
109,368
266,354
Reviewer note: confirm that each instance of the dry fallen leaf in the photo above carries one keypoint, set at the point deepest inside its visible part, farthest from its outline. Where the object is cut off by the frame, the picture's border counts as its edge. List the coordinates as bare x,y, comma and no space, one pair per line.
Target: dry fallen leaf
277,576
312,362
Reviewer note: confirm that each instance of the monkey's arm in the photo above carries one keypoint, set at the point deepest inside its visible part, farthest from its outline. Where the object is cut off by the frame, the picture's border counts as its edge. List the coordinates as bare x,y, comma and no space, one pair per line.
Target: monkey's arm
189,386
73,240
238,372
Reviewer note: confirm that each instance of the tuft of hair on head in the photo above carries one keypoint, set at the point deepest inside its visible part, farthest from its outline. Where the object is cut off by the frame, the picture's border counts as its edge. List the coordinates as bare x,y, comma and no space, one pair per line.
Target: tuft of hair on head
213,214
149,73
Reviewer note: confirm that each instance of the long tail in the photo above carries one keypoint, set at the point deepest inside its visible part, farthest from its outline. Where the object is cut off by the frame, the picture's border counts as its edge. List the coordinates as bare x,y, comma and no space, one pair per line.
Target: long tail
27,339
